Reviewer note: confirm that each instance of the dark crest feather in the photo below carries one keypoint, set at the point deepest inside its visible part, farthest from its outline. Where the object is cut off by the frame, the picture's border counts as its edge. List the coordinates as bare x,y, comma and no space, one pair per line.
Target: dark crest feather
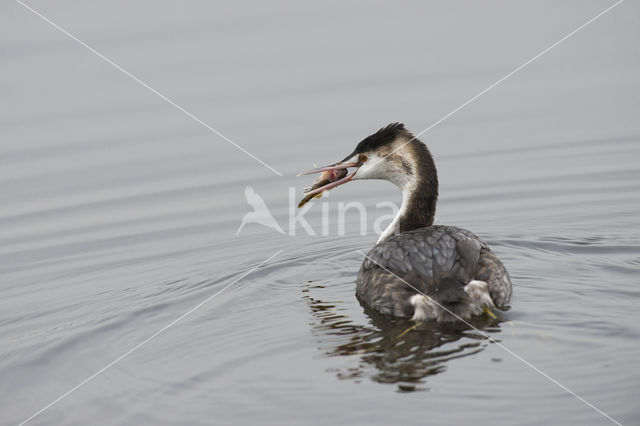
382,137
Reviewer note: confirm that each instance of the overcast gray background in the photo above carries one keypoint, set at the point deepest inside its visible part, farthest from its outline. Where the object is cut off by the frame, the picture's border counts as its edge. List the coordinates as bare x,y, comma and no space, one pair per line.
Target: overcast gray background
119,212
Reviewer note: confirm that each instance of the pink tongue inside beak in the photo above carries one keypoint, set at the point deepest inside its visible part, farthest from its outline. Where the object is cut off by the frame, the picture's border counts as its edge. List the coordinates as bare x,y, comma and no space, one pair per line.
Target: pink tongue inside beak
336,174
330,177
333,167
336,178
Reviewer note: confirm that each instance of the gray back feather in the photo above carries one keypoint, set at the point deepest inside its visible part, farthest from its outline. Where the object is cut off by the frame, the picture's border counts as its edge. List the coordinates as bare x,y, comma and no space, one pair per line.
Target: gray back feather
437,260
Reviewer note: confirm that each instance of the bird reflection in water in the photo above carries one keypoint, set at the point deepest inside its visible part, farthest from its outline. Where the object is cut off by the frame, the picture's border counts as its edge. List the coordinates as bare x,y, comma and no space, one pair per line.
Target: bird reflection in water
386,355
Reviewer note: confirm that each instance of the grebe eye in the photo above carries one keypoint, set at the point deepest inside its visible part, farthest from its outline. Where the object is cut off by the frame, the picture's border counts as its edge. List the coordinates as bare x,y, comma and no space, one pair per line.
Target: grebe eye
363,158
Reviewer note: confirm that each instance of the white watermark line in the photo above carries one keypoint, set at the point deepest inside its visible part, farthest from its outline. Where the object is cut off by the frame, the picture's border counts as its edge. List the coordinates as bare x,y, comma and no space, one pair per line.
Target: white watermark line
515,355
506,76
142,83
139,345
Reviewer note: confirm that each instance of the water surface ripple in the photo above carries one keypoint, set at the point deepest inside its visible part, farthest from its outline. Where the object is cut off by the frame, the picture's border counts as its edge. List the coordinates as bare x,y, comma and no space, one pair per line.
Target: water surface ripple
119,214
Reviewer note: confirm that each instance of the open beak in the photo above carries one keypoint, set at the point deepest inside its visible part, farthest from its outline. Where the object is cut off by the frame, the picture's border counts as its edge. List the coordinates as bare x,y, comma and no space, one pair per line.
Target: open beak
330,177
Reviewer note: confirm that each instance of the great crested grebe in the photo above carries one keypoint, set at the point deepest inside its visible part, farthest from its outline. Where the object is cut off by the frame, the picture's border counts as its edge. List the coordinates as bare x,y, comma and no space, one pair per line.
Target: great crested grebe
416,269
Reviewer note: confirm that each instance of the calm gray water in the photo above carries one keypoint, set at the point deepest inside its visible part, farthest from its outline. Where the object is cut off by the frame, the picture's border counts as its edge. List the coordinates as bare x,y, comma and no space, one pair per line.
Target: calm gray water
119,212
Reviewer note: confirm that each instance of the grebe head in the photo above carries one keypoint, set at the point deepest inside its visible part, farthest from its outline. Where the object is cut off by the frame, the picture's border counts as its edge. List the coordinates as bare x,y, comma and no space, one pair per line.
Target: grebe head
395,155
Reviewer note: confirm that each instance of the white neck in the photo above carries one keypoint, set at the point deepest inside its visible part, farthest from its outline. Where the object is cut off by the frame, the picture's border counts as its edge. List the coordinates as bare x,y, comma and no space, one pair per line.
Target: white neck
394,226
419,186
